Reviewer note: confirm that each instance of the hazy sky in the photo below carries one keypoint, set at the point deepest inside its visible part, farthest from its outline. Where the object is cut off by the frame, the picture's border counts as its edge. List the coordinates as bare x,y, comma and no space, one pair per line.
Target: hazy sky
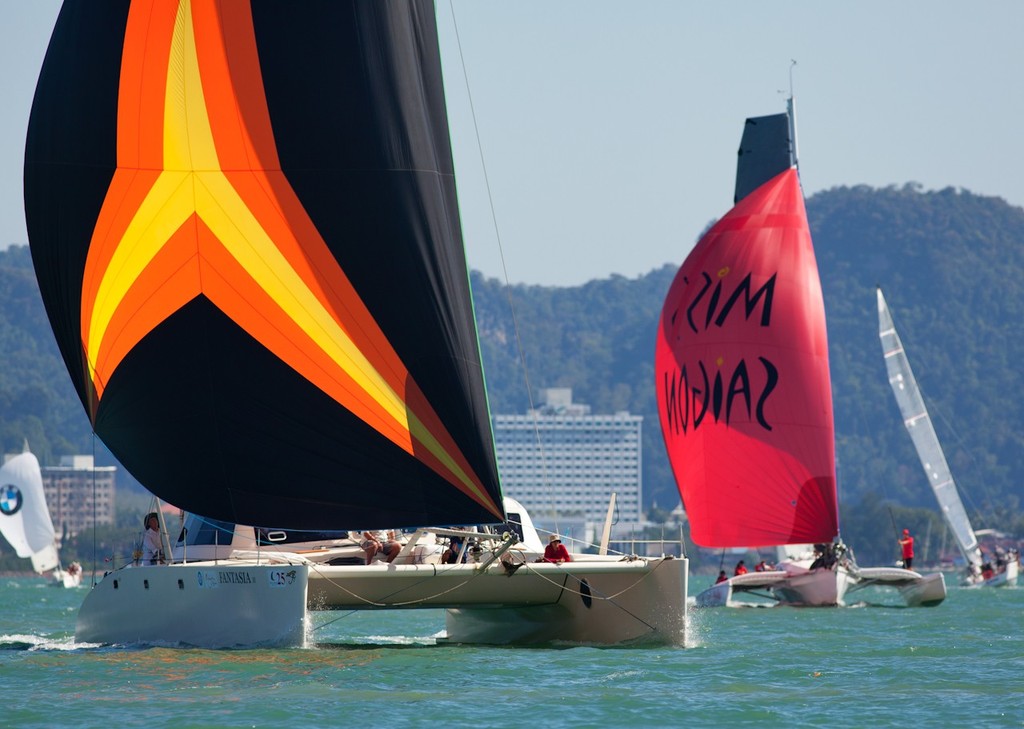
609,128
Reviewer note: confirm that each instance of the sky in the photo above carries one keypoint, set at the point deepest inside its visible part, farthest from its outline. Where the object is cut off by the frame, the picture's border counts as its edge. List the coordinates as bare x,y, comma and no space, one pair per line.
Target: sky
595,138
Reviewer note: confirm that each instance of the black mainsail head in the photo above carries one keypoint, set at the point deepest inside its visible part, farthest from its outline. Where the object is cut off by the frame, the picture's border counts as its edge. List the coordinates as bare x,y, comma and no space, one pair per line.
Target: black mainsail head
767,148
244,224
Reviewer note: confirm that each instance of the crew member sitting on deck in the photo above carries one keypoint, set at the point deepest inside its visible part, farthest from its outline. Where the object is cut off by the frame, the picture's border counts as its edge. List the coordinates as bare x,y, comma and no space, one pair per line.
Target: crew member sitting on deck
152,549
451,555
722,577
825,556
741,568
380,542
556,551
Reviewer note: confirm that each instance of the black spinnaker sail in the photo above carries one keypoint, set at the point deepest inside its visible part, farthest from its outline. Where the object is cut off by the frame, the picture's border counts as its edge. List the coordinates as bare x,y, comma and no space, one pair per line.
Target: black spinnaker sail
244,224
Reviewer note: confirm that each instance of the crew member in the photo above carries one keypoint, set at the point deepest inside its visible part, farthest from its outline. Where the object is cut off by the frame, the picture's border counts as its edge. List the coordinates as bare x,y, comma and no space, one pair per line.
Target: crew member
907,545
556,551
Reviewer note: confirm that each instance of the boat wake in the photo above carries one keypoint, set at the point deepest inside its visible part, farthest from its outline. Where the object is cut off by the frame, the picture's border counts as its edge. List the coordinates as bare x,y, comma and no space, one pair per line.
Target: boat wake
21,642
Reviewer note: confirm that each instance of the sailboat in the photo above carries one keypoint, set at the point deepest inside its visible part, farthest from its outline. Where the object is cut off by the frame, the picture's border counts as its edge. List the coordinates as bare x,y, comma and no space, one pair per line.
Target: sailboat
249,249
25,519
744,397
933,460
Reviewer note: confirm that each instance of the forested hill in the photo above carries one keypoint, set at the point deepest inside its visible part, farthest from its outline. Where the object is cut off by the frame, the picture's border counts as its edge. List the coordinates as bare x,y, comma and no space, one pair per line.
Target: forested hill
951,265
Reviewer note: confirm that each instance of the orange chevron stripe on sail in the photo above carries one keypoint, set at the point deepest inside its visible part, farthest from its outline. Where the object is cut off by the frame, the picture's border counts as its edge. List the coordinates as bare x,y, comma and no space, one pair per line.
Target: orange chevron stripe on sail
199,206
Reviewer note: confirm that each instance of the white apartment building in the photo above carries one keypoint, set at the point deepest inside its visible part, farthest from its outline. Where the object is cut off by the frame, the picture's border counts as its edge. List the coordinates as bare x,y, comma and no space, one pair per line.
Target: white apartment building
563,464
79,494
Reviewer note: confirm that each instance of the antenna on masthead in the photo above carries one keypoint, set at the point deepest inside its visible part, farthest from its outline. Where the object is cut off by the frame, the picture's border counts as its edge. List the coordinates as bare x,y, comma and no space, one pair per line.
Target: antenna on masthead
794,157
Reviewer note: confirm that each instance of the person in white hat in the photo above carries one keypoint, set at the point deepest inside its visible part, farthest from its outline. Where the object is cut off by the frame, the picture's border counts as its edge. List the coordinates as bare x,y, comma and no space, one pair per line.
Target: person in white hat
556,551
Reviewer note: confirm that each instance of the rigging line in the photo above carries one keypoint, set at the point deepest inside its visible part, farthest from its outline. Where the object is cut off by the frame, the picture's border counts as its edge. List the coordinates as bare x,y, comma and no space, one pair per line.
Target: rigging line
896,531
609,598
95,546
504,268
349,614
988,516
478,573
435,574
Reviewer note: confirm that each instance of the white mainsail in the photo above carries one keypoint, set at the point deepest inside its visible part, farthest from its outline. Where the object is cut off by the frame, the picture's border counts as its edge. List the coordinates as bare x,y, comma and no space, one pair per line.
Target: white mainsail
919,425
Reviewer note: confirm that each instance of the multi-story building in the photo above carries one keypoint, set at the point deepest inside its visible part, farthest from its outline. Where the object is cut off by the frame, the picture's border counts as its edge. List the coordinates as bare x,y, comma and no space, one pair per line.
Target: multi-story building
563,464
79,494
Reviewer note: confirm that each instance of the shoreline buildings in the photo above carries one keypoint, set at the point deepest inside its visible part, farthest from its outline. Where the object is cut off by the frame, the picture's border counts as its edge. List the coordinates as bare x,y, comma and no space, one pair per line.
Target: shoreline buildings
563,463
79,494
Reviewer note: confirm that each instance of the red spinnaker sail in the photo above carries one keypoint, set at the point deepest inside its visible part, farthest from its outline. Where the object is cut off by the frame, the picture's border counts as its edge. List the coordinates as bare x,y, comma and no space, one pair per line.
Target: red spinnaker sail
742,378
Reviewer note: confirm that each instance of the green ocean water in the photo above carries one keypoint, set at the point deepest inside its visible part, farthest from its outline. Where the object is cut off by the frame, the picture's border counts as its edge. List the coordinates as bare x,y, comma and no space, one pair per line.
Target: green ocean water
958,664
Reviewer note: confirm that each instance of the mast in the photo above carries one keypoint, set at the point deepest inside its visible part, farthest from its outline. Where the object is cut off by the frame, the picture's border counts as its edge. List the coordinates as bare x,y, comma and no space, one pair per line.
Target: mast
794,157
919,425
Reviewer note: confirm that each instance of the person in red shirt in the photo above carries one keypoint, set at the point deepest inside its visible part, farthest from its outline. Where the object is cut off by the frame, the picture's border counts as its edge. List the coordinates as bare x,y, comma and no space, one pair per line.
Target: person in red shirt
907,545
556,551
741,568
721,577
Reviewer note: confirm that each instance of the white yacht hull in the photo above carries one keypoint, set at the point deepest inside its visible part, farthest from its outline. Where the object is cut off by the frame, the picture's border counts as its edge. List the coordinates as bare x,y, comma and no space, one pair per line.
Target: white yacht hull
725,593
820,587
1006,577
589,601
1011,573
495,593
208,605
816,588
917,590
70,580
243,604
929,591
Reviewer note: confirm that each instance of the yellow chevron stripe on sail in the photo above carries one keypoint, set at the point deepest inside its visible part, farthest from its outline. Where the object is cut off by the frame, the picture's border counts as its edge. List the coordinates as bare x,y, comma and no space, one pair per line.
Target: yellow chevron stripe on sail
192,182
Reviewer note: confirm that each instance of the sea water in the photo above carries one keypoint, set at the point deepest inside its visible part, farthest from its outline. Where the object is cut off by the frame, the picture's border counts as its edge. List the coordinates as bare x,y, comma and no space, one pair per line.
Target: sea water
958,664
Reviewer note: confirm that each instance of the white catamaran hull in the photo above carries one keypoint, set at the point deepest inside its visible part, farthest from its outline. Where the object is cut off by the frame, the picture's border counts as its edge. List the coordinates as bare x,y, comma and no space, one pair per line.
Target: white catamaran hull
594,601
820,587
209,605
917,590
724,594
499,595
792,583
816,589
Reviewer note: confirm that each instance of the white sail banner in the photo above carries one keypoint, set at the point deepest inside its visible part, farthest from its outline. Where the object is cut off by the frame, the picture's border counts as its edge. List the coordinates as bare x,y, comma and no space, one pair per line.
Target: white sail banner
24,519
919,425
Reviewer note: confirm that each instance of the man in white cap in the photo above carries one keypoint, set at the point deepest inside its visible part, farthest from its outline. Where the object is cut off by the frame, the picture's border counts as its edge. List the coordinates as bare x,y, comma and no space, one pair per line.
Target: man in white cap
556,551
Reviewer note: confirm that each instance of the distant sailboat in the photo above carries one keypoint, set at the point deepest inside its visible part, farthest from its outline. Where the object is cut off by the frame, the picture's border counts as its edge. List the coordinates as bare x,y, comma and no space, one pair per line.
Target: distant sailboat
742,371
744,395
25,519
933,460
